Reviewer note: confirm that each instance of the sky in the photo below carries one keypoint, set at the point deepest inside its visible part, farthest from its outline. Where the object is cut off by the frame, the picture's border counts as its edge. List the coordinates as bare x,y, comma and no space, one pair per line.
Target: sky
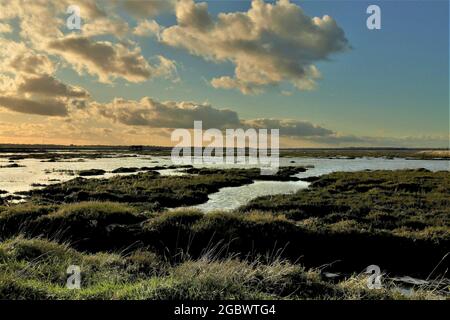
138,69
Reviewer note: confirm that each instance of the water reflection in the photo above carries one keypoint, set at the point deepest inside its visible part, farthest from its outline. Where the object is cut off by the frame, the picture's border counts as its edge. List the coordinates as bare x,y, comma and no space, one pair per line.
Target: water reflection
35,172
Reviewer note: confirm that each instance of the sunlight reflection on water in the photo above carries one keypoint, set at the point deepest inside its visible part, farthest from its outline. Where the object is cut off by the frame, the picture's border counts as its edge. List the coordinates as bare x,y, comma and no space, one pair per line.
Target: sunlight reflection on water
36,171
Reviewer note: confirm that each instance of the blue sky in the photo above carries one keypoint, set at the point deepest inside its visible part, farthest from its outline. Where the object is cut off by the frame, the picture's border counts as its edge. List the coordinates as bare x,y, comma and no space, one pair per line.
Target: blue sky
393,82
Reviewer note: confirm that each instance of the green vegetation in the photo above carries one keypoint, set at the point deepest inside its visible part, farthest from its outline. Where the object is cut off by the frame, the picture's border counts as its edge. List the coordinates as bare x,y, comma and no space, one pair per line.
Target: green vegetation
283,174
351,153
276,247
36,269
151,191
404,215
413,203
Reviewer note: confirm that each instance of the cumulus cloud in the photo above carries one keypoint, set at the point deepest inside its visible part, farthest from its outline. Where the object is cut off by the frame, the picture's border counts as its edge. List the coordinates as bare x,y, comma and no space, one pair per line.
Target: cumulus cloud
44,107
15,58
226,82
89,8
166,68
289,127
102,26
42,20
5,28
104,59
32,63
144,9
146,28
49,86
27,80
27,84
12,9
170,114
41,95
149,112
268,44
7,84
43,29
39,22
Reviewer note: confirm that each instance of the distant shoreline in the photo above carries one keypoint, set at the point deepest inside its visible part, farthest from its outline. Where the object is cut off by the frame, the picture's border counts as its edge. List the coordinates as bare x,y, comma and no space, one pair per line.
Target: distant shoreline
5,146
342,153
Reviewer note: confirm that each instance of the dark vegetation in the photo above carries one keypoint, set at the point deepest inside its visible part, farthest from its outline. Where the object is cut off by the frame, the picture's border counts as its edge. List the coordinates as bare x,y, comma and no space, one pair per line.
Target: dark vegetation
52,153
271,248
36,269
395,201
353,153
154,168
125,170
91,172
283,174
152,191
400,219
12,165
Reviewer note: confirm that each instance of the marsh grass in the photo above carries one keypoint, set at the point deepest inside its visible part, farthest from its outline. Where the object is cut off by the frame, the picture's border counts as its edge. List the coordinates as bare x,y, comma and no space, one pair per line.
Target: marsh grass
269,249
352,153
36,269
147,190
151,191
100,226
414,202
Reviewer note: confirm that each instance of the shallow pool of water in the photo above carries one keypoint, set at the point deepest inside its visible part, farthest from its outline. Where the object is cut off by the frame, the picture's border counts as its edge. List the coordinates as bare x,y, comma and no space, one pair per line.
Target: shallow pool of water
36,171
233,197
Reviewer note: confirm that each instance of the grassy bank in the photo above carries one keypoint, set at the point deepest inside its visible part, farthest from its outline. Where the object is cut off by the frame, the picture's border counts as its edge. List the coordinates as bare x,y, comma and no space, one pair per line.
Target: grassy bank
36,269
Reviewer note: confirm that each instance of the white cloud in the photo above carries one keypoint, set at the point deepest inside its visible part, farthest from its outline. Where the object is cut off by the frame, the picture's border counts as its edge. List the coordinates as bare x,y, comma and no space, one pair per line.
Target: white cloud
16,57
43,31
45,107
5,28
145,9
226,82
146,28
49,86
170,114
104,59
27,84
268,44
289,127
103,26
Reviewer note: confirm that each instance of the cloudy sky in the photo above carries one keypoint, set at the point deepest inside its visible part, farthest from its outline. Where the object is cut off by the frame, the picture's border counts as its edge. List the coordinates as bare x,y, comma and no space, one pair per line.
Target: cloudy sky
138,69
